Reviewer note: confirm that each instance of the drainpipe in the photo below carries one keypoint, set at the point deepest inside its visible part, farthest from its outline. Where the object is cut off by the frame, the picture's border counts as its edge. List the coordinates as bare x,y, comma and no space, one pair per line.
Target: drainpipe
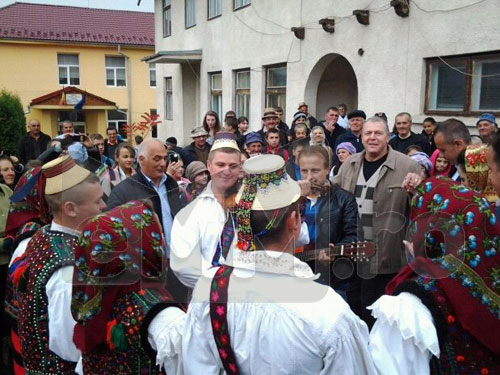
129,89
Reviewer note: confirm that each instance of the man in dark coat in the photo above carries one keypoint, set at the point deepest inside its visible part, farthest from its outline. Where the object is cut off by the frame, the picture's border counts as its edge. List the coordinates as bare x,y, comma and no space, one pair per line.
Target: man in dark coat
152,183
33,143
405,137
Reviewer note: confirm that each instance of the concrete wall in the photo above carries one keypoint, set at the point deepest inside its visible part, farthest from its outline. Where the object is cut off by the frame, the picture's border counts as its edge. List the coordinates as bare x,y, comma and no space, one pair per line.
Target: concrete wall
30,70
390,74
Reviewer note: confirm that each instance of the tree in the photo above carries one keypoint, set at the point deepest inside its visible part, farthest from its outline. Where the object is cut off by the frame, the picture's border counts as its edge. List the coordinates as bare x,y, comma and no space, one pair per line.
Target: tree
12,122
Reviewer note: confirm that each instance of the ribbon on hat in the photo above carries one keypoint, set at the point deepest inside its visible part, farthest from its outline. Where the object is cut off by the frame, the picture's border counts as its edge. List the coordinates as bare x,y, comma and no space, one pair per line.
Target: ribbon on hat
251,184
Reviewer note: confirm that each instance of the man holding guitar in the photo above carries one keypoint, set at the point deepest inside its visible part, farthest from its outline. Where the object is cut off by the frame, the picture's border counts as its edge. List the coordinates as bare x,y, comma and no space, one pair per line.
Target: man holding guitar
331,215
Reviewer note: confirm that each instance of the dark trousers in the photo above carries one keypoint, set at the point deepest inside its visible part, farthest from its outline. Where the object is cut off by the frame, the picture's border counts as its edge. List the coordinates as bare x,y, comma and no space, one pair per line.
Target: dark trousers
371,290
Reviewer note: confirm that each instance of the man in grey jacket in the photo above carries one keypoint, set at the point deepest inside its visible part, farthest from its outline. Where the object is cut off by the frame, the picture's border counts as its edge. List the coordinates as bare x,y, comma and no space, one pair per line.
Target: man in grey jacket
375,176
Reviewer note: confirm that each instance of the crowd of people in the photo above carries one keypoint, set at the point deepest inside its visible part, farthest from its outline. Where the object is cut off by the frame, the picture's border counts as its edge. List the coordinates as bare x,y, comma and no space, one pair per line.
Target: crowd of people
323,247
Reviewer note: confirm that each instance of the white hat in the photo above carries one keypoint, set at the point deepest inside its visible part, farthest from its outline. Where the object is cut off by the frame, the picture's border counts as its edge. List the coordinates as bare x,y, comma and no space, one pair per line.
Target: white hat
62,174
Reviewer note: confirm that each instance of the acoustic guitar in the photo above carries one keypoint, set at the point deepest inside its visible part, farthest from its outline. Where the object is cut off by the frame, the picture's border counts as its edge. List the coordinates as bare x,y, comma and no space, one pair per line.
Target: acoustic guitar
358,251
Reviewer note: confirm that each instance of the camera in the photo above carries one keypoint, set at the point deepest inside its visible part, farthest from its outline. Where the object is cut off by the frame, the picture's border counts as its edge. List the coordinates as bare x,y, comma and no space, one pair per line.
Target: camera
173,157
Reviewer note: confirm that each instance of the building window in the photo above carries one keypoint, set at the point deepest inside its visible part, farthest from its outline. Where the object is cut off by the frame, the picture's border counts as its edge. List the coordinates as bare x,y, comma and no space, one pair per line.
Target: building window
167,18
118,120
168,99
242,93
241,3
214,8
465,85
216,92
276,87
69,69
152,75
190,13
115,71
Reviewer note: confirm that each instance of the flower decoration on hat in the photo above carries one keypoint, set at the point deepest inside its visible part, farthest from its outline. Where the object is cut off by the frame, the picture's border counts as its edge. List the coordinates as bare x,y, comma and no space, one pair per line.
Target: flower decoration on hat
267,187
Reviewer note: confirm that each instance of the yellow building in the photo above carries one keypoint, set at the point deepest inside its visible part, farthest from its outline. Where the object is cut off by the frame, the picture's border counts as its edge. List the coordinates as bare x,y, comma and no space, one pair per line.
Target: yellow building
47,50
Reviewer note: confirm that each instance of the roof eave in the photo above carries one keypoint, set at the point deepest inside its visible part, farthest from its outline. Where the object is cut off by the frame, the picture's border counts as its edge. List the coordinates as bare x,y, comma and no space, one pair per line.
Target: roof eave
174,57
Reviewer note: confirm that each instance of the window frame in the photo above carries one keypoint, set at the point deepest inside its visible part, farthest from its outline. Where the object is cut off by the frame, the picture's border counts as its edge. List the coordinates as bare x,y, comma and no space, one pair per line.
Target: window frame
152,68
169,115
242,93
193,2
241,6
167,10
470,61
274,90
215,92
115,71
208,10
68,69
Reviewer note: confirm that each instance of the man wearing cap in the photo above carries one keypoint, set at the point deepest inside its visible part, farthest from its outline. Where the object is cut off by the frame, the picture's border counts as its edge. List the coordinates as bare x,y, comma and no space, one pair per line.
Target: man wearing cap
310,119
487,127
404,137
203,231
375,177
198,149
270,120
262,312
45,322
353,134
171,145
254,143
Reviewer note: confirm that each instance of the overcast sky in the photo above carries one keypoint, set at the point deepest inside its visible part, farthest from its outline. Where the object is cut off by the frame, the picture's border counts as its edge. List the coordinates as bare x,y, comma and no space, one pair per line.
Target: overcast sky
146,5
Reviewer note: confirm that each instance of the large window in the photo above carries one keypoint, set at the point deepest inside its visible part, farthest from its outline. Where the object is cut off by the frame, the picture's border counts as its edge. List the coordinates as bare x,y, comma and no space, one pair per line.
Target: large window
190,13
69,69
152,75
241,3
118,120
242,93
276,87
214,8
216,92
115,71
167,18
465,85
169,113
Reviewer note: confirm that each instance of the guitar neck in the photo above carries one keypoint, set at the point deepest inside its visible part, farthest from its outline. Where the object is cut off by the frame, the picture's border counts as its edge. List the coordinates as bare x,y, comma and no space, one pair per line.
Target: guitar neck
337,250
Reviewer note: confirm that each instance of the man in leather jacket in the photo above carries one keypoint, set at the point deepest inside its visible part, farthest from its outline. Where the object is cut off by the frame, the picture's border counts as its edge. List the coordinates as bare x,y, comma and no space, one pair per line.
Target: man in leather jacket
331,215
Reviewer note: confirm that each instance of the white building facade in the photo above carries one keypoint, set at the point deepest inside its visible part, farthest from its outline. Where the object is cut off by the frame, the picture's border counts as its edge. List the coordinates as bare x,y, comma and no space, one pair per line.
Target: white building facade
441,60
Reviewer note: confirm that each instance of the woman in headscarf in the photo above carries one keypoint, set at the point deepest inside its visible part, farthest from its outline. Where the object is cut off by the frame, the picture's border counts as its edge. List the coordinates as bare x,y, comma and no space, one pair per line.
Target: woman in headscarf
318,138
477,172
126,319
343,151
442,311
425,163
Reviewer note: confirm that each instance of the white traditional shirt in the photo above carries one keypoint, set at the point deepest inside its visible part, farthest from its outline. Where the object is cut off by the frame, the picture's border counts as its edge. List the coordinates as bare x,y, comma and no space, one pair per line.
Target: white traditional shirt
280,321
404,337
196,232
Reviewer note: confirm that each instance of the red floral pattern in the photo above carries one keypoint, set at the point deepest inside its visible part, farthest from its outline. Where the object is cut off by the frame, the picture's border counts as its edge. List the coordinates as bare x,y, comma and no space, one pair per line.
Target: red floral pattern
218,315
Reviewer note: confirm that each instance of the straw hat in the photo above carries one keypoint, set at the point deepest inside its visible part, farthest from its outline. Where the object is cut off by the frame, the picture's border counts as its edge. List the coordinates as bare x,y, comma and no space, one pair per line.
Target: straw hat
62,174
269,112
267,187
223,140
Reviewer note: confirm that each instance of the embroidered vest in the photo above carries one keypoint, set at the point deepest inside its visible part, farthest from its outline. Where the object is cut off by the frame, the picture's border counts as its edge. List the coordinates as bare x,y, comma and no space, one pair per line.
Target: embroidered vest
460,352
46,252
127,350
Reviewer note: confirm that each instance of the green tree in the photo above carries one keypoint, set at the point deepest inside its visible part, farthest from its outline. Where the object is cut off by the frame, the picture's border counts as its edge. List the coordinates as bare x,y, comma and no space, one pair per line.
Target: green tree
12,122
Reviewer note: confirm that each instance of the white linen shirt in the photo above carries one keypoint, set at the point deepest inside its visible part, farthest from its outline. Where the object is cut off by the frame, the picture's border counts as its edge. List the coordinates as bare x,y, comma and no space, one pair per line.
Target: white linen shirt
280,321
403,338
196,232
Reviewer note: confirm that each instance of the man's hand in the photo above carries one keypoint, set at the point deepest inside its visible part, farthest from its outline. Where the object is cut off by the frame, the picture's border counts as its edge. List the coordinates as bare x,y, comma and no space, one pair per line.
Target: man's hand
329,125
323,258
411,181
305,187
